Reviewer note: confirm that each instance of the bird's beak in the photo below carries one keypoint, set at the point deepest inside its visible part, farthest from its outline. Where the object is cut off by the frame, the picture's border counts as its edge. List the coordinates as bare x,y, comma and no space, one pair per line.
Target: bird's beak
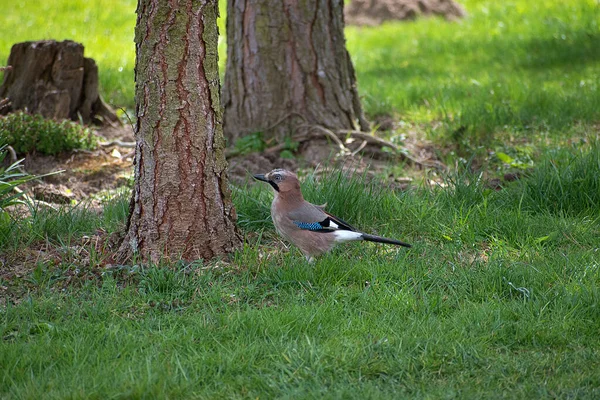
261,177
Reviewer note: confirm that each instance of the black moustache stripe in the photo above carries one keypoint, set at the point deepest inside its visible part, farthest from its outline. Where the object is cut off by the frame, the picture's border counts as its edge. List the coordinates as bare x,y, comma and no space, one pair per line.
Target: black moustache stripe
274,185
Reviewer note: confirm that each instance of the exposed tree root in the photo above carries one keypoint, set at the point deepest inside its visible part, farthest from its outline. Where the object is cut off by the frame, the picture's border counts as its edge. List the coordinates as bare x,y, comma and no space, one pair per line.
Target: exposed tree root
13,156
309,132
31,200
120,143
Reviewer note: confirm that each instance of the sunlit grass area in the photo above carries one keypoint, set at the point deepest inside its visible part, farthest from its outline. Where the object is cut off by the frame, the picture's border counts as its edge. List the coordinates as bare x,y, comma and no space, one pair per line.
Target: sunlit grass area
104,27
524,67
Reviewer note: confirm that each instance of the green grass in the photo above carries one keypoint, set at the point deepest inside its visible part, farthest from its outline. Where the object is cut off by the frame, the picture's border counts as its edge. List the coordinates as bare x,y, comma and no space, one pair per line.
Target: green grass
572,189
499,298
104,27
513,66
64,225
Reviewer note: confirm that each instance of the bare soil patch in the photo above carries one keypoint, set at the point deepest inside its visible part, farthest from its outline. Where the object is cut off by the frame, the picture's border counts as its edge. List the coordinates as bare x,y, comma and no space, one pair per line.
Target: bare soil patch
87,174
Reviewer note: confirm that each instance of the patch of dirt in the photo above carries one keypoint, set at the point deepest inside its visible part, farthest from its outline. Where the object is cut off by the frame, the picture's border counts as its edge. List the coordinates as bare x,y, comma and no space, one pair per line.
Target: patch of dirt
85,173
375,12
54,266
88,173
58,194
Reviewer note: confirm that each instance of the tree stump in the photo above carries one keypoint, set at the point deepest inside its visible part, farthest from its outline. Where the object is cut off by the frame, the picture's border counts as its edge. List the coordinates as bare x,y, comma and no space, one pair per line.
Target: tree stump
375,12
55,80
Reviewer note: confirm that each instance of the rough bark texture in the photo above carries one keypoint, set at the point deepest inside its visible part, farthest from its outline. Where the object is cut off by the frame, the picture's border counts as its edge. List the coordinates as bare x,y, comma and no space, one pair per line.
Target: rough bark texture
55,80
287,65
181,205
375,12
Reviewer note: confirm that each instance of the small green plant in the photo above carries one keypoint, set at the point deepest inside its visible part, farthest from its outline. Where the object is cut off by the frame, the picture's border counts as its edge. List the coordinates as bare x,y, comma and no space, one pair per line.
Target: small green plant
250,143
29,132
291,146
519,157
10,178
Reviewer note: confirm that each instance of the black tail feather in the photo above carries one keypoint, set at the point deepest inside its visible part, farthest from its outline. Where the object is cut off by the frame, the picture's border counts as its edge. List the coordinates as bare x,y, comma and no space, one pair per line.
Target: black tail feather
379,239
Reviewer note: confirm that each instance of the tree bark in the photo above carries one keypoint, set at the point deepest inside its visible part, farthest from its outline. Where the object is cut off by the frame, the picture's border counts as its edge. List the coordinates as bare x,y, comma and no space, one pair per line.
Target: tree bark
181,205
55,80
287,65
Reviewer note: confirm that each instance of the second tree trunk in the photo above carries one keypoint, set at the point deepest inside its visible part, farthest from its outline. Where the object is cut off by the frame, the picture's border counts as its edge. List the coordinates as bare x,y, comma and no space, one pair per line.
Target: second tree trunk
287,65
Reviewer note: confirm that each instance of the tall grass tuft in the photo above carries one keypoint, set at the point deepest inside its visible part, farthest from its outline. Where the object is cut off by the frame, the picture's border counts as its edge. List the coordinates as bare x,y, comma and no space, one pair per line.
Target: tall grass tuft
64,224
252,203
566,182
352,196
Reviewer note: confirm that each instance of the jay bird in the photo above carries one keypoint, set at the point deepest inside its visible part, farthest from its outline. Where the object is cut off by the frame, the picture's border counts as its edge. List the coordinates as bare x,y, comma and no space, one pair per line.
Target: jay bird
312,229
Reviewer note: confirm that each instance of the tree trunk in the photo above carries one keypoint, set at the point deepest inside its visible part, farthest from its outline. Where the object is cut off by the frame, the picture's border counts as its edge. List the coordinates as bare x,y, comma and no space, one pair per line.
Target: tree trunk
181,205
287,65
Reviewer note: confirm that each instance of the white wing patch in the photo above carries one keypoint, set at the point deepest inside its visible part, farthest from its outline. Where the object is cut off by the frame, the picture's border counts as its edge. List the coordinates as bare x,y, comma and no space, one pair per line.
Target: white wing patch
333,224
347,236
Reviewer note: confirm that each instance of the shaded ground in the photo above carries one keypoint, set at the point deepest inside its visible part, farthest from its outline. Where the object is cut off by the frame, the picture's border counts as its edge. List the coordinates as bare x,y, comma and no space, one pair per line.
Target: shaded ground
89,174
25,270
85,173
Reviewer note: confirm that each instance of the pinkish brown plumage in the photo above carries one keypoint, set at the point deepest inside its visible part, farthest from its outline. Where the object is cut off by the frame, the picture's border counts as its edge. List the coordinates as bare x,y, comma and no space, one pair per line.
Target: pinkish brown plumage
308,226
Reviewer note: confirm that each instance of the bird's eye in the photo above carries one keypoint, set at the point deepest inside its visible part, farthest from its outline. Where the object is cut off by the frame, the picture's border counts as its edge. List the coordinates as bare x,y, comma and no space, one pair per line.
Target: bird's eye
277,178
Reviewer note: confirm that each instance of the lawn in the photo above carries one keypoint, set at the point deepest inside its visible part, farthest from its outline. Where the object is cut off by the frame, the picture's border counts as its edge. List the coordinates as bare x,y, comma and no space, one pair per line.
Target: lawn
498,298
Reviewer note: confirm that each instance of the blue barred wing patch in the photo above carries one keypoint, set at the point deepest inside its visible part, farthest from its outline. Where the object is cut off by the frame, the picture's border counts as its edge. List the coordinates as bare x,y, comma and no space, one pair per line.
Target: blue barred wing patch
311,226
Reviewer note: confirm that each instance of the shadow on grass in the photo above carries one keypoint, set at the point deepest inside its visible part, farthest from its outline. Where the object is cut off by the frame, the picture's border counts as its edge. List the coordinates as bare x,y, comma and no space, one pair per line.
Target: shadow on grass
574,51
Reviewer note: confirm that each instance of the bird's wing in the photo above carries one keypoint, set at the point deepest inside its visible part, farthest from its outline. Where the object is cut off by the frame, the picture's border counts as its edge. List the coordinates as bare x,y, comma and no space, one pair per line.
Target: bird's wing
341,223
314,218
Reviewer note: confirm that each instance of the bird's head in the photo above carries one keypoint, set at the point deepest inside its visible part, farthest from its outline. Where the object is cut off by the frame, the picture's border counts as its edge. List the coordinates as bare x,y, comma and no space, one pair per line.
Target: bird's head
281,180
